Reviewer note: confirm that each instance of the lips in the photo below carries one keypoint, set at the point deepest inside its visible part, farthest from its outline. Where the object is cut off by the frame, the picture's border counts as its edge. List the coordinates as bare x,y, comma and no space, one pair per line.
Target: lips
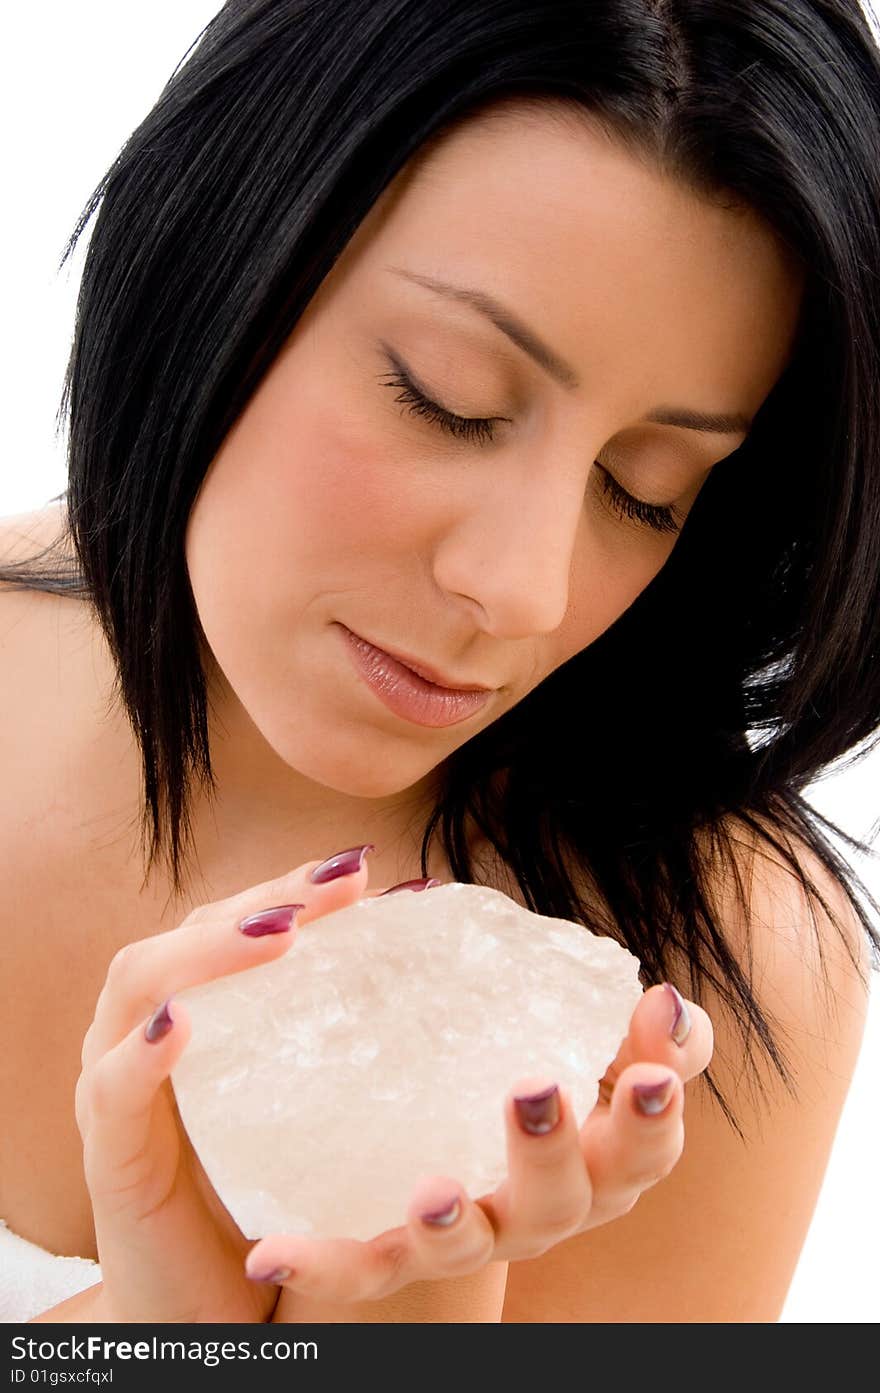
422,670
406,693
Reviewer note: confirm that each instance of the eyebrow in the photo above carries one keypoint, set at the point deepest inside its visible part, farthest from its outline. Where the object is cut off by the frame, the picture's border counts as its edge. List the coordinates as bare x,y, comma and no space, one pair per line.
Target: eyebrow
712,423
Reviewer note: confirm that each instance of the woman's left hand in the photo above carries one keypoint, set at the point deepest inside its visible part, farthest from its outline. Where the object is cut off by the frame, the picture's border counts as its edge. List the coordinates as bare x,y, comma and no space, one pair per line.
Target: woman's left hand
560,1181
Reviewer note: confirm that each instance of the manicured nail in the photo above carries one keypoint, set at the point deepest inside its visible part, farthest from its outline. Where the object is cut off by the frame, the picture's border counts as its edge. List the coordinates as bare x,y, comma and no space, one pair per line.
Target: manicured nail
539,1112
412,885
279,1274
651,1098
159,1023
270,921
343,863
447,1215
680,1028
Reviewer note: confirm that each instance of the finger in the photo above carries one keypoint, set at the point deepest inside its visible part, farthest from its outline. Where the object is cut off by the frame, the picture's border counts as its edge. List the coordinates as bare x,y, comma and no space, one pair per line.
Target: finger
627,1150
547,1194
449,1234
668,1029
131,1143
426,883
158,1245
347,1270
333,1269
665,1028
209,944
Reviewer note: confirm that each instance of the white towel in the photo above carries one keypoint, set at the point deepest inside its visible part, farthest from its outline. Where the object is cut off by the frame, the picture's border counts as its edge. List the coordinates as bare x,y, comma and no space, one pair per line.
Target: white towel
32,1279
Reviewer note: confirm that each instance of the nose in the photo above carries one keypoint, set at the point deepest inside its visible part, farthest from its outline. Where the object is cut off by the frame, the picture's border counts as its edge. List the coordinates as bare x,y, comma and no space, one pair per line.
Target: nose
511,548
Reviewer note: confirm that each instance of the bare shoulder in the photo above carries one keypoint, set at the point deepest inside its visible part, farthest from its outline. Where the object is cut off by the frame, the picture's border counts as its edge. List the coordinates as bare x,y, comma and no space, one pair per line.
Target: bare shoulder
24,534
70,772
57,749
46,654
68,793
24,537
811,960
719,1238
69,762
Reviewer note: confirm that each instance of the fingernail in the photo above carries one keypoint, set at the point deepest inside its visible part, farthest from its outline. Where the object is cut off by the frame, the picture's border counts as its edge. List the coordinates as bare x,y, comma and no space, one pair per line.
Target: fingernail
279,1274
159,1023
445,1216
539,1112
680,1028
270,921
412,885
651,1098
343,863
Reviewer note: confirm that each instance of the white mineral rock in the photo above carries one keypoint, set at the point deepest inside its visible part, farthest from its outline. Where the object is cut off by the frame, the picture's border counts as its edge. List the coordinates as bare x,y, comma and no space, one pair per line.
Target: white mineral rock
316,1089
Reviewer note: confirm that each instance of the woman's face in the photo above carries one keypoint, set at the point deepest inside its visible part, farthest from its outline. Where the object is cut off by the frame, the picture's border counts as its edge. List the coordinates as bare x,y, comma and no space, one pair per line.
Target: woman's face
494,556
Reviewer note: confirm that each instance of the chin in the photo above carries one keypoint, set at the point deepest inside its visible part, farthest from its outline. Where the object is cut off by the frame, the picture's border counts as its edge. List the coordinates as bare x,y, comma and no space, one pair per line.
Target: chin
358,764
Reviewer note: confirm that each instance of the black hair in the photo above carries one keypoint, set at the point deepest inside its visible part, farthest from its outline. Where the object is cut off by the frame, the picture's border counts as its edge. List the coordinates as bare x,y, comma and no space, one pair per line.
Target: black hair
750,664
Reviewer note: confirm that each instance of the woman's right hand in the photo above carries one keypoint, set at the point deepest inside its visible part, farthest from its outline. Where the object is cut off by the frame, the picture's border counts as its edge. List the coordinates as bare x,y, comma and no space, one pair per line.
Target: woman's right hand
168,1248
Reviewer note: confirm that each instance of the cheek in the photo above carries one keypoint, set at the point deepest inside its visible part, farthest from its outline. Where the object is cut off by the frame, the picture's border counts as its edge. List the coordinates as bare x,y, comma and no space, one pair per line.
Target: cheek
343,484
291,493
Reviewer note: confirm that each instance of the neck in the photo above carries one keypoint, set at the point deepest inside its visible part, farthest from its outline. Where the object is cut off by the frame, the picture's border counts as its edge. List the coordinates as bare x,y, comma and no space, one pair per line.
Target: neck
265,818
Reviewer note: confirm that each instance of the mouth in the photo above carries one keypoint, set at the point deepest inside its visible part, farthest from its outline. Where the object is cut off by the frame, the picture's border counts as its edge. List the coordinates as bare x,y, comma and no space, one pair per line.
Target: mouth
428,674
408,694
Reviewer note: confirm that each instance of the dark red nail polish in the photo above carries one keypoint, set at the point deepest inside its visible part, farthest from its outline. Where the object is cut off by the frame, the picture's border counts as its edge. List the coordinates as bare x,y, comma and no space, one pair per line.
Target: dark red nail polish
159,1023
343,863
539,1112
278,1274
412,885
445,1216
270,921
651,1098
681,1021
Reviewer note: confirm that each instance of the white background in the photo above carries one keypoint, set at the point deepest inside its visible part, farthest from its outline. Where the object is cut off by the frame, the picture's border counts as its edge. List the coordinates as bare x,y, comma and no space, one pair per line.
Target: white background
78,78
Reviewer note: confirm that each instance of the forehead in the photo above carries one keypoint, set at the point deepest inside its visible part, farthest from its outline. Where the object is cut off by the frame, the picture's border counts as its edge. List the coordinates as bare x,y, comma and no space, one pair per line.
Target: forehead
609,259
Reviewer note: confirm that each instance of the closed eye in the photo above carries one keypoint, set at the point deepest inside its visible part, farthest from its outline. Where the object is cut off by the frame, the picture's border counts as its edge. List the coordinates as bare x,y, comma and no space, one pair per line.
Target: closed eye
659,517
481,430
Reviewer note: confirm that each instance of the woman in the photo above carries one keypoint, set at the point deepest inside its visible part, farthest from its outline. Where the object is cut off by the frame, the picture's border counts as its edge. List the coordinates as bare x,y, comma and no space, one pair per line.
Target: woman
534,344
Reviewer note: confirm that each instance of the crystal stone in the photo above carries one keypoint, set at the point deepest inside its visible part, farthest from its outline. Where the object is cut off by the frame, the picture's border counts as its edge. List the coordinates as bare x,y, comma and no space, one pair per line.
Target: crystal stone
317,1088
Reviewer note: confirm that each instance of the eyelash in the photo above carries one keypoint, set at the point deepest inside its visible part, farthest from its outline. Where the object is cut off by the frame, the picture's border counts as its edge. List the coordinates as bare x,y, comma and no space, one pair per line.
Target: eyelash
481,430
